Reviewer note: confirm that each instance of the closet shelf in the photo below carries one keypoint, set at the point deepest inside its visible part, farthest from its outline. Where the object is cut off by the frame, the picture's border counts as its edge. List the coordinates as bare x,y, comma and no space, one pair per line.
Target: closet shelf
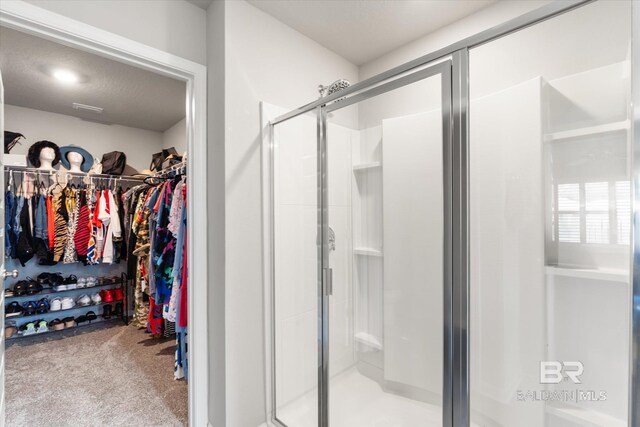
367,252
589,131
99,320
605,274
364,167
75,307
48,292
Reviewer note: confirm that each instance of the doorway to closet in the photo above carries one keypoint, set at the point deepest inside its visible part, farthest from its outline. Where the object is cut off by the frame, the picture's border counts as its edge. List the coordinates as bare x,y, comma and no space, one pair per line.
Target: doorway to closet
95,224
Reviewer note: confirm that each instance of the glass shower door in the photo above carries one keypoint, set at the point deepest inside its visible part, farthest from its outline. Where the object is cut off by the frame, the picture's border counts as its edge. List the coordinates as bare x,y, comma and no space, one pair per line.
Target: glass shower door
385,233
295,316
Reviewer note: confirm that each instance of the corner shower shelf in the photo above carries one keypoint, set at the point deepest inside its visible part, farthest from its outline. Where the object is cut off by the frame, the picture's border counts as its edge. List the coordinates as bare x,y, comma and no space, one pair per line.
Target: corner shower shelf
367,252
589,131
363,167
606,274
368,340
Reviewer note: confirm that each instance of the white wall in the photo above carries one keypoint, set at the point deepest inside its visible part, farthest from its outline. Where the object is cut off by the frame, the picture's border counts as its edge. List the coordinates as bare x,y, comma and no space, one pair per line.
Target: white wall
97,138
176,136
173,26
265,61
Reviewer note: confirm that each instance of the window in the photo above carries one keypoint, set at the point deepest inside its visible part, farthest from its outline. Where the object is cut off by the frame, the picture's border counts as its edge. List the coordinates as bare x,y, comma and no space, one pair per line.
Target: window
593,212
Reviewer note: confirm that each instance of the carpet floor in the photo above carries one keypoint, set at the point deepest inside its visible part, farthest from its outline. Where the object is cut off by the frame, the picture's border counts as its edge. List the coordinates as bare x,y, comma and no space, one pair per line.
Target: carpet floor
111,375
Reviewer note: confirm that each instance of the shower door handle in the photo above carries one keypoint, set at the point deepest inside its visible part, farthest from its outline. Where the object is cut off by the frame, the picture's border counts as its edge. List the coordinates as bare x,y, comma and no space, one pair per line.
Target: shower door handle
327,277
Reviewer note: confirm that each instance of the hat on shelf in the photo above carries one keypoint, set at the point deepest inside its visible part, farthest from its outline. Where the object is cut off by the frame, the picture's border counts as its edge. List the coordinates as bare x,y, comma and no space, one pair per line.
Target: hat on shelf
36,148
87,161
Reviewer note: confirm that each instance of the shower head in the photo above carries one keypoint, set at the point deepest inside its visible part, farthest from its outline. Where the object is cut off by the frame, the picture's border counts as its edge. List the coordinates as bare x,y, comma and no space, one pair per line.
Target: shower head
334,87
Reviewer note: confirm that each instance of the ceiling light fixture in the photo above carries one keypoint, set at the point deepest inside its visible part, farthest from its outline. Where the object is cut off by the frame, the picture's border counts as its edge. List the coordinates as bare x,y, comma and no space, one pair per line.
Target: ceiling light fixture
65,76
78,106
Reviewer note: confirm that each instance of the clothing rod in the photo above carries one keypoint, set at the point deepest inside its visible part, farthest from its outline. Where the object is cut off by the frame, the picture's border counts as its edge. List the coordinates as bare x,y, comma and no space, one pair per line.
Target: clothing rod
174,168
24,170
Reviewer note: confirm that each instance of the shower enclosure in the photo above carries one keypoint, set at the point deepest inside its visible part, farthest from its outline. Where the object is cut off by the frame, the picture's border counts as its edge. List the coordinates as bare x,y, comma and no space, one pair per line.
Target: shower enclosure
451,243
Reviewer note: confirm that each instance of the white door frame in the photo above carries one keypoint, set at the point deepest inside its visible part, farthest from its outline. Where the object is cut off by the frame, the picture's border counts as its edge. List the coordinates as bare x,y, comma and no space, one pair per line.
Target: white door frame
52,26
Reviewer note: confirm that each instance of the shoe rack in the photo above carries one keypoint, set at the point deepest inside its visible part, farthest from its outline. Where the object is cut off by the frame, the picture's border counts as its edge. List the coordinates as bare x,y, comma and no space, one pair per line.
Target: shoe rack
77,312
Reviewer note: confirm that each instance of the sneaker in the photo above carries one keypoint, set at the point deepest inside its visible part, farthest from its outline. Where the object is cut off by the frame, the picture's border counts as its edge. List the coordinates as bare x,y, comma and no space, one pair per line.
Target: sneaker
42,306
29,308
82,283
42,327
118,294
28,329
13,309
96,299
67,303
57,282
91,316
91,281
56,304
43,279
83,300
71,282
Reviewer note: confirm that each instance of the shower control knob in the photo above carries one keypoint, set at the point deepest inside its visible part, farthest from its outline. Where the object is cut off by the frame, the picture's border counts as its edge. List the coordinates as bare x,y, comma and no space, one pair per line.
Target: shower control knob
6,274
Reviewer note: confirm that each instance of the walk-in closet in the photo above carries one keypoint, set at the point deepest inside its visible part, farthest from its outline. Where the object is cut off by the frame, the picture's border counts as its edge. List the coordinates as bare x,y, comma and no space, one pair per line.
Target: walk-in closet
95,238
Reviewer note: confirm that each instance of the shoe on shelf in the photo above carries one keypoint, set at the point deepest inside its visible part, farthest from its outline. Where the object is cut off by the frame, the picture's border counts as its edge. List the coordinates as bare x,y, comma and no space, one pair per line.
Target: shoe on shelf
107,295
91,281
42,327
83,300
13,309
10,329
69,322
118,294
43,279
57,282
8,293
107,311
20,288
91,316
33,287
43,306
96,299
56,325
28,328
67,303
29,308
56,304
71,282
82,283
119,309
81,319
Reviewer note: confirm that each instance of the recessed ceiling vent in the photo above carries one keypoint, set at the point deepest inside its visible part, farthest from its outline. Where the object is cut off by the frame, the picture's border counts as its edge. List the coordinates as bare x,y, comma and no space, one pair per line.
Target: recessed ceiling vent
91,108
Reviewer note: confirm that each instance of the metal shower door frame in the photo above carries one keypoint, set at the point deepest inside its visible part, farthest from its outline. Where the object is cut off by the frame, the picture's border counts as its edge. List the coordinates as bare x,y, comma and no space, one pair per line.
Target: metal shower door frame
444,69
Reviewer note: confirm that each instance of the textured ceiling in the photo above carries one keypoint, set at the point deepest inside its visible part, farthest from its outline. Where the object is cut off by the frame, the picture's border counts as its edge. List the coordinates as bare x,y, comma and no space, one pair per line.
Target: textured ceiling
129,96
363,30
